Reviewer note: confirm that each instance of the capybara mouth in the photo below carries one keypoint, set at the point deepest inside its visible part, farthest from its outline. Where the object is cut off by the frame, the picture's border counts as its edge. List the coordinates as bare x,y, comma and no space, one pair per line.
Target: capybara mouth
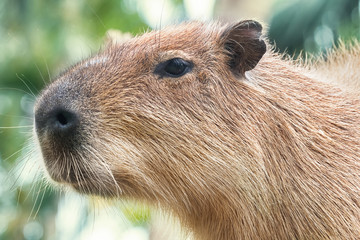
65,171
69,176
82,179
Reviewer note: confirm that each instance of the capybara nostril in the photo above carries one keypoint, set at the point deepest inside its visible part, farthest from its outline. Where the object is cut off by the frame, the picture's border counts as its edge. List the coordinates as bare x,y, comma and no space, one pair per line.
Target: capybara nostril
56,122
64,119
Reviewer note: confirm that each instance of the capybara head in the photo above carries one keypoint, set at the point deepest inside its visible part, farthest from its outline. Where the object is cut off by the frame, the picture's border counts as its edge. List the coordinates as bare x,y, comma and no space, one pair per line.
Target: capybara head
139,118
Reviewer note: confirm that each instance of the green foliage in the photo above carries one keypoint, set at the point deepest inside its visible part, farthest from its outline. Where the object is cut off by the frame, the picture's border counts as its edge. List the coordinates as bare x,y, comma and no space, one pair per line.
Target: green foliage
314,25
138,215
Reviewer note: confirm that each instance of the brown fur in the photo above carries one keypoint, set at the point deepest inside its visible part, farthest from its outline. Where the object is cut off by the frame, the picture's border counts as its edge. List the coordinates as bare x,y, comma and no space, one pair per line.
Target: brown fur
233,152
340,67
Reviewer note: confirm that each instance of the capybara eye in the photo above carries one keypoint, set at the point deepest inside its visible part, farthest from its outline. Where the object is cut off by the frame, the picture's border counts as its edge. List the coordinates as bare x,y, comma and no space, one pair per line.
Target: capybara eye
175,67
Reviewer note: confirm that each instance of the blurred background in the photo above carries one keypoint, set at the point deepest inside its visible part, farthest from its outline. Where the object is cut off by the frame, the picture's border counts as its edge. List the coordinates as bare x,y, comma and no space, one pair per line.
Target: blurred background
39,38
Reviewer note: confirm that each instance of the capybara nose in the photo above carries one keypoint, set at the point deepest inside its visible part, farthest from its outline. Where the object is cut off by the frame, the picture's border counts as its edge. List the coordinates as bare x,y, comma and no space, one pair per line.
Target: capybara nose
58,122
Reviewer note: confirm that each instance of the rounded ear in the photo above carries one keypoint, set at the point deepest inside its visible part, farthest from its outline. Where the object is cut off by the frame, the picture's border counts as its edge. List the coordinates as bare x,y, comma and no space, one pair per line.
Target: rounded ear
242,42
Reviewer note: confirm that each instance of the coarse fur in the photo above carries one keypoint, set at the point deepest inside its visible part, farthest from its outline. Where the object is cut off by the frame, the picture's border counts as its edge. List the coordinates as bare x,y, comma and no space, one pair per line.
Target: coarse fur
237,148
339,67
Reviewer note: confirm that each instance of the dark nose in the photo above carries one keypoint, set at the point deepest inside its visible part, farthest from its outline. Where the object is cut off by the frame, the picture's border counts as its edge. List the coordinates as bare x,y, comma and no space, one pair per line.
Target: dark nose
63,120
57,122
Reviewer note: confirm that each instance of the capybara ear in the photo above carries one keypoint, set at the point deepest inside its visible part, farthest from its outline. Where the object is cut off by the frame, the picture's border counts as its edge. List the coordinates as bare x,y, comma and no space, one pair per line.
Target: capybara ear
243,43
